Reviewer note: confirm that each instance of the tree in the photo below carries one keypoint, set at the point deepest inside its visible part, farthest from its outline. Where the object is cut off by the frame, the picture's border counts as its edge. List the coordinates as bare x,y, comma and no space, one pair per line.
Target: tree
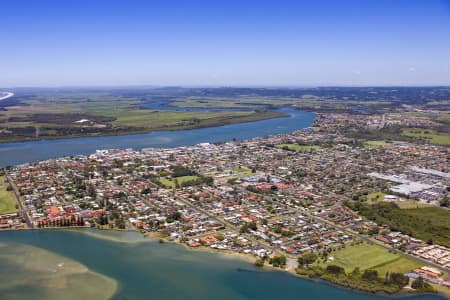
259,262
445,202
356,272
336,270
307,259
146,191
370,275
418,283
278,261
176,216
398,279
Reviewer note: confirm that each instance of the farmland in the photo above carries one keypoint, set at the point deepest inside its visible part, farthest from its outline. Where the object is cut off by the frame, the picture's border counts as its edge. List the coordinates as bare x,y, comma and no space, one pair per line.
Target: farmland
50,115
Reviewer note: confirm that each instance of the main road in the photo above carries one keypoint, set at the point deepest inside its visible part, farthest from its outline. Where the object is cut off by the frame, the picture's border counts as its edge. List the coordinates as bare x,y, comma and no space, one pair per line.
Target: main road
24,212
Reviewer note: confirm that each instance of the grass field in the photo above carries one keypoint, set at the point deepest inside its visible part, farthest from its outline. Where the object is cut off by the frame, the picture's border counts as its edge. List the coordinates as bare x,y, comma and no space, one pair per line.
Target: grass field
403,203
375,197
242,170
366,256
170,182
375,144
299,148
410,203
7,199
428,134
401,264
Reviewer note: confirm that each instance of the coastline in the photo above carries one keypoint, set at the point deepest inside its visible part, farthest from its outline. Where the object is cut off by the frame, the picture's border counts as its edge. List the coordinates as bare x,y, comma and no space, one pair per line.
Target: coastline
404,292
157,236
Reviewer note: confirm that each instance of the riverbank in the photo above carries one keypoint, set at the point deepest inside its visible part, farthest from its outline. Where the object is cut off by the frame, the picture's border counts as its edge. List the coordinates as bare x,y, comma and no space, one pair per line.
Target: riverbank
339,281
143,267
126,127
32,151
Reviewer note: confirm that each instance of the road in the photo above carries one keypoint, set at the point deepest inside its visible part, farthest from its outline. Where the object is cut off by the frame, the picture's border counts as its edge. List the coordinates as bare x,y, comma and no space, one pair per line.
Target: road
8,95
22,209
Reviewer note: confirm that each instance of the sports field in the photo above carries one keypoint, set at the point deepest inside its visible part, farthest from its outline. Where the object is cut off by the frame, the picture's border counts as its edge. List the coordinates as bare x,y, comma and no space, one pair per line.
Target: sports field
367,256
7,199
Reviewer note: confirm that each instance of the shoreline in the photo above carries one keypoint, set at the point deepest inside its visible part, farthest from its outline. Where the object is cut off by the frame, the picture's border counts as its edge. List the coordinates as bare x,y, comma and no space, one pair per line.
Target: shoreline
228,254
405,292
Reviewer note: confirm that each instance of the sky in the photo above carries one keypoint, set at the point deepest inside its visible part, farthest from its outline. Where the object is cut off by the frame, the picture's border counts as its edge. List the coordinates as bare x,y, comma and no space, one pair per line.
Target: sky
224,43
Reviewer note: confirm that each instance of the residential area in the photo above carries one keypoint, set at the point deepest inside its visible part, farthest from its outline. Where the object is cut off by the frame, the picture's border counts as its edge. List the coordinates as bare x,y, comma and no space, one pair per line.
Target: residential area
276,198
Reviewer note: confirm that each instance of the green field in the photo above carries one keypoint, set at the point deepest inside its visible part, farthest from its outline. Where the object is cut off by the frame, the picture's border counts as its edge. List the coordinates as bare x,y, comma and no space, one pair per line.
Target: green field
375,144
375,197
411,203
242,170
370,256
363,256
7,200
401,264
171,182
403,203
429,135
296,147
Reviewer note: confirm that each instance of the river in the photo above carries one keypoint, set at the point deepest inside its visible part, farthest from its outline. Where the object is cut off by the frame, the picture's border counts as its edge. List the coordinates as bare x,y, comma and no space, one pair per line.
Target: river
123,265
23,152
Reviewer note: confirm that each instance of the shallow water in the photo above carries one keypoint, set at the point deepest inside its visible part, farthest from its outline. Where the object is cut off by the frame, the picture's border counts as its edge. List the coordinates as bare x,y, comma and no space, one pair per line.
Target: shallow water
35,273
146,269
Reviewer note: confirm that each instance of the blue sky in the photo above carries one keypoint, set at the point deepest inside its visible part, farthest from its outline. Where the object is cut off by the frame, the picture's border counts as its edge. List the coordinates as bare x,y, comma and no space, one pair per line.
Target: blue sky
239,43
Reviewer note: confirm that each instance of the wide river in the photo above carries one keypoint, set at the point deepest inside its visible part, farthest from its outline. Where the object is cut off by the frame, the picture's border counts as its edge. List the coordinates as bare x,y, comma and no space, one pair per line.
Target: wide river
93,264
23,152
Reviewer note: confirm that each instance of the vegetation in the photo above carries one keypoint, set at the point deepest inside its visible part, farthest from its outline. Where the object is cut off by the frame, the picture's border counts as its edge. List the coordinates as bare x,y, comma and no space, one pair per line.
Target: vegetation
422,286
278,261
248,226
59,114
8,202
297,147
376,196
178,181
307,259
430,224
369,280
428,135
242,170
363,256
375,144
401,264
402,203
259,262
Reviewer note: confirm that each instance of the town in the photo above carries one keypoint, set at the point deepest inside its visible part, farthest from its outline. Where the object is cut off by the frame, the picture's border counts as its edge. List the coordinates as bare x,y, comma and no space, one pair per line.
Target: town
281,199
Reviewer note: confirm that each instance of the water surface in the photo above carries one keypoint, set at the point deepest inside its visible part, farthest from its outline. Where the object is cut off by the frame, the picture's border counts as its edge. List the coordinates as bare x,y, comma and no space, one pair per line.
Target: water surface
146,269
23,152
